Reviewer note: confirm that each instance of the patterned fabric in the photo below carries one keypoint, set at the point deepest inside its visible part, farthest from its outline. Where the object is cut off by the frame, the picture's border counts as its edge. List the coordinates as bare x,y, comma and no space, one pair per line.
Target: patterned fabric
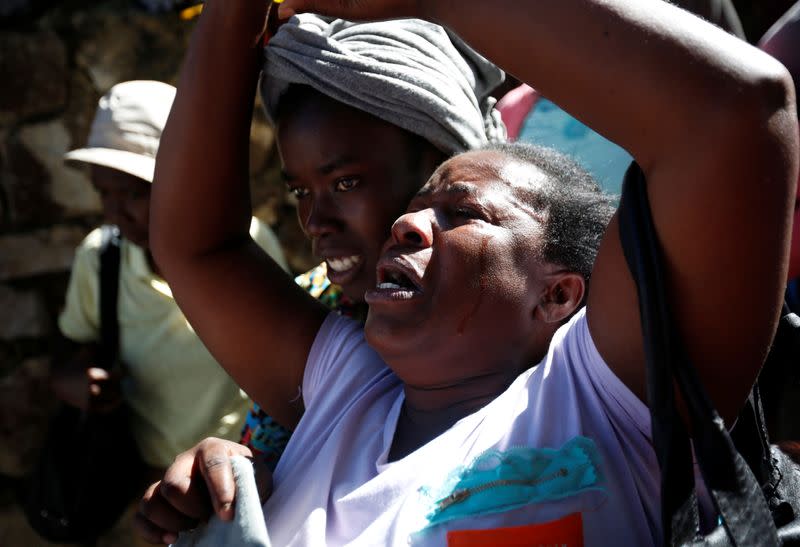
261,434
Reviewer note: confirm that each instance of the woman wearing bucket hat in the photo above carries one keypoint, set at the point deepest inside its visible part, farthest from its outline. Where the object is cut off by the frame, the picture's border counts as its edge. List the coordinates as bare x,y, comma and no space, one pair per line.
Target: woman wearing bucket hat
175,390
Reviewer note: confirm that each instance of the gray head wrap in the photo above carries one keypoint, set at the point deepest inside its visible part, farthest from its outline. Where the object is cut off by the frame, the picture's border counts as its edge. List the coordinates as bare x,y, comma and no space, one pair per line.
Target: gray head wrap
407,72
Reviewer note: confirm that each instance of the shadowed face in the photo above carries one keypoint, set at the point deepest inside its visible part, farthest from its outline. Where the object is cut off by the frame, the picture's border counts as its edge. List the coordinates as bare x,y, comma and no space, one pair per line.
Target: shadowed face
460,276
353,175
126,202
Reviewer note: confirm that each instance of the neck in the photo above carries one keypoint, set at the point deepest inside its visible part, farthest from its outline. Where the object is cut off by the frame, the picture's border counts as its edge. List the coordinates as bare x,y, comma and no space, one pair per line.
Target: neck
152,263
429,411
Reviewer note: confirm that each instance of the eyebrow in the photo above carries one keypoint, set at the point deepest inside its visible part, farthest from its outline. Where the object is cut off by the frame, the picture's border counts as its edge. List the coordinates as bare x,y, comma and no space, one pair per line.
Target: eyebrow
455,188
325,169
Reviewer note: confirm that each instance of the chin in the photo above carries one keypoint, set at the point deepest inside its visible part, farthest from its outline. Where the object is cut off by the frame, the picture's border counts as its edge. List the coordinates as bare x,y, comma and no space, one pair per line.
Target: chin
398,342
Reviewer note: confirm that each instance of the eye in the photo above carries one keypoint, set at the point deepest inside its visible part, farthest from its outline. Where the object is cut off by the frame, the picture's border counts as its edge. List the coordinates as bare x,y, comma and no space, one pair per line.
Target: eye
345,184
299,192
467,213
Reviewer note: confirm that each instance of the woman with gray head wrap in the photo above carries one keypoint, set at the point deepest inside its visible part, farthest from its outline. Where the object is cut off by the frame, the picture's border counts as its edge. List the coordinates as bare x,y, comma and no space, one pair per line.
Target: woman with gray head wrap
410,73
385,102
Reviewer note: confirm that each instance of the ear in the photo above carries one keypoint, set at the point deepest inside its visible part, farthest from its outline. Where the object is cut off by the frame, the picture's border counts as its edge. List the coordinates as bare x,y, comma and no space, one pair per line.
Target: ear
561,296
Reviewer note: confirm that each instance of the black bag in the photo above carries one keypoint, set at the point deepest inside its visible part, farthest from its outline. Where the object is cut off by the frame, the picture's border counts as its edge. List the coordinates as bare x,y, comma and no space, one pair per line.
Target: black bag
754,486
90,469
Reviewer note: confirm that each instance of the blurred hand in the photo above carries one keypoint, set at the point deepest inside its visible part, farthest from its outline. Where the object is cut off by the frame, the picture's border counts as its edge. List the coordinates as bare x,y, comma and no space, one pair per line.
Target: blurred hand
355,9
105,393
198,484
84,386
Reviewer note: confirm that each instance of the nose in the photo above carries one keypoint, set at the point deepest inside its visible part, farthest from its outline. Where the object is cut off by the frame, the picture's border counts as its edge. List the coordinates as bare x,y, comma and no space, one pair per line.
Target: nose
113,206
321,217
414,229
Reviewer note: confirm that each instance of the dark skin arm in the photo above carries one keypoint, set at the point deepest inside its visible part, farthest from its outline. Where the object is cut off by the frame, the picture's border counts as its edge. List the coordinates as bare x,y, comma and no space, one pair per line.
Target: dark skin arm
250,315
712,122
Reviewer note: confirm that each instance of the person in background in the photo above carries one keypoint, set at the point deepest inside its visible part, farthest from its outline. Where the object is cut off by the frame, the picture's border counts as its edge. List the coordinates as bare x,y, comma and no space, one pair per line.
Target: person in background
782,41
531,117
176,392
780,381
369,155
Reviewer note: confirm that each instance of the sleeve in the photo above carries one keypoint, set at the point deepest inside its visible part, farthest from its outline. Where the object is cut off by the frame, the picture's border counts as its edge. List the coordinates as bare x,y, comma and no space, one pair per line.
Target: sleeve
339,354
79,320
621,404
267,240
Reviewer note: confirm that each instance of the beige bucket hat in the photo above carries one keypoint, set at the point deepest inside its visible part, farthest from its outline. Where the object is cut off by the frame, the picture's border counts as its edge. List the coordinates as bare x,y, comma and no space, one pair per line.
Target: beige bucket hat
127,128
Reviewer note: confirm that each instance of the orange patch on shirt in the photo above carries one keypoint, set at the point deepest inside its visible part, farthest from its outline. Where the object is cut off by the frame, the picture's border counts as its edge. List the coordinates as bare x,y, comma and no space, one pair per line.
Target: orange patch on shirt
565,532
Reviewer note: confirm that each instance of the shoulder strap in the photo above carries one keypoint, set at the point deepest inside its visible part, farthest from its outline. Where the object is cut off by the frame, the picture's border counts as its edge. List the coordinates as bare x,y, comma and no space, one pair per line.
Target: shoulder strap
733,487
109,289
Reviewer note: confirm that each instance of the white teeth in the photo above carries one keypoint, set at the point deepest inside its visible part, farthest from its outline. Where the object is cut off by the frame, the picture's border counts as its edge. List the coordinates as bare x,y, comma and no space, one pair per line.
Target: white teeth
387,285
344,263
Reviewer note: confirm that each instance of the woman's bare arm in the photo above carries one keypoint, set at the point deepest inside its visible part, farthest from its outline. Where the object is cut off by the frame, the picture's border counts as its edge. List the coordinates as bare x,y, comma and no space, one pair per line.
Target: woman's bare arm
247,311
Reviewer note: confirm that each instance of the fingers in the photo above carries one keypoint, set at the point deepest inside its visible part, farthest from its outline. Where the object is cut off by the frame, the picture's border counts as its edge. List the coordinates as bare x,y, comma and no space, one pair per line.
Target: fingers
104,389
198,482
156,521
215,465
351,9
184,489
289,8
97,374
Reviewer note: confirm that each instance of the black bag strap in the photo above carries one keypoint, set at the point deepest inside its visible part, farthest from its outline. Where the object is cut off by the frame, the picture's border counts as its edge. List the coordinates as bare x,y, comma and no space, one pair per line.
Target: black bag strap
109,290
733,487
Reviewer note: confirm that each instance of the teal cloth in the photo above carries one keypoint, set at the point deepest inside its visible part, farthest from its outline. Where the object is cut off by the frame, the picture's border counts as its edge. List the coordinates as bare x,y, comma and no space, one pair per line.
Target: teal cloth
498,481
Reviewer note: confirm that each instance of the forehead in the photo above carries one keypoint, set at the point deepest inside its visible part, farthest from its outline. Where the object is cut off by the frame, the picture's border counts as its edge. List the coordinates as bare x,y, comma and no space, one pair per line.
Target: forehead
490,176
108,177
319,123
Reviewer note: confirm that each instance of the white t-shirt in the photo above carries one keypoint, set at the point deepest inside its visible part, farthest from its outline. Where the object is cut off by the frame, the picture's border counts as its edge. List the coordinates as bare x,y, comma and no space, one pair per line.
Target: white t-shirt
334,486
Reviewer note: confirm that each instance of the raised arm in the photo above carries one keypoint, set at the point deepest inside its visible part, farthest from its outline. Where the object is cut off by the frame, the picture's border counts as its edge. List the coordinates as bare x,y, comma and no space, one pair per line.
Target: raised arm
712,122
247,311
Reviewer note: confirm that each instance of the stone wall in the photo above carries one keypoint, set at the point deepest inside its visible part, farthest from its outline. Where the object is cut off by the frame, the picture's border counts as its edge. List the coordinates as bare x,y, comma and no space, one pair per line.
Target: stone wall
56,60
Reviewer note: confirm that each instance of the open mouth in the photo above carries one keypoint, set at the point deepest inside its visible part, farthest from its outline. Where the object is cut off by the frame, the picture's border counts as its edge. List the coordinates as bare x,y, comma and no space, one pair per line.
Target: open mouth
396,280
344,269
343,264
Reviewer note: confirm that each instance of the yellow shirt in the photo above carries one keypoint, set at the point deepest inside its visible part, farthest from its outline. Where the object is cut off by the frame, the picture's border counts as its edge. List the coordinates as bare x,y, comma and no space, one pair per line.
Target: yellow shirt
176,391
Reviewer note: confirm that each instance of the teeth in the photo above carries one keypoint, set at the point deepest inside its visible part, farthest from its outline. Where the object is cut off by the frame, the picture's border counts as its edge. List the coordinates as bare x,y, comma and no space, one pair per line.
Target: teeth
387,285
344,263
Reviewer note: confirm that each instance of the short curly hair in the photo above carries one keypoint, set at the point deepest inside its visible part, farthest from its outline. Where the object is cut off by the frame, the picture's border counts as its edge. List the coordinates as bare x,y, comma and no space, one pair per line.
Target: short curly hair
576,209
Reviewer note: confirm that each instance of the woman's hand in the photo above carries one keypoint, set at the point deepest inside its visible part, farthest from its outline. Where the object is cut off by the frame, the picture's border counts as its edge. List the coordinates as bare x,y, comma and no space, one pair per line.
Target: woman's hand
356,9
198,484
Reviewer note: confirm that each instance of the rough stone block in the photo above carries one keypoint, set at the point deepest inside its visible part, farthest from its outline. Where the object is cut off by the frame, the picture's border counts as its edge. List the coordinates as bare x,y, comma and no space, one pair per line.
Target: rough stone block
70,189
114,47
40,252
33,69
24,314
